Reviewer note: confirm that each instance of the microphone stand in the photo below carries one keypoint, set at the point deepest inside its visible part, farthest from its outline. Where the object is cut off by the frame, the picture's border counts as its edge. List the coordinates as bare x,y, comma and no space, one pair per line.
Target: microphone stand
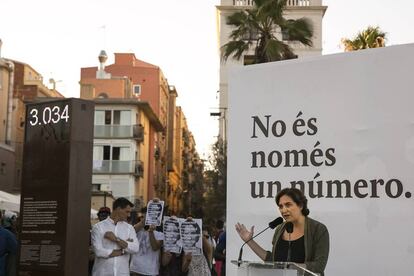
239,261
289,250
289,230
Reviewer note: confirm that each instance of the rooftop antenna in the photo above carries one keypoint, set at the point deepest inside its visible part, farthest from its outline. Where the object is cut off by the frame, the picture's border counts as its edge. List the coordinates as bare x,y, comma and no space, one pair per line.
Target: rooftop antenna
53,82
103,27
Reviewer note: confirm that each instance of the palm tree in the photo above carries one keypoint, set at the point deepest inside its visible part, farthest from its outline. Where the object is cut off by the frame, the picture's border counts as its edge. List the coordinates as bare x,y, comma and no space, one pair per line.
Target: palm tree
256,28
371,37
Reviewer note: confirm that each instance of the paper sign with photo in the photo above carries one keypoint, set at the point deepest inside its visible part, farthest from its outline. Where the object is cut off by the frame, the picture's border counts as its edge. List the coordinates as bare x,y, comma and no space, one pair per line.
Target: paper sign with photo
191,236
171,229
154,212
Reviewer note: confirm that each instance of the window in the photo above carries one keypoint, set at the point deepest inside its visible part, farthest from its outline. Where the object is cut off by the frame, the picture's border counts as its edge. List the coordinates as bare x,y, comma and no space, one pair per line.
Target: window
99,117
252,35
285,34
107,117
116,153
96,187
117,117
103,95
107,153
137,89
113,117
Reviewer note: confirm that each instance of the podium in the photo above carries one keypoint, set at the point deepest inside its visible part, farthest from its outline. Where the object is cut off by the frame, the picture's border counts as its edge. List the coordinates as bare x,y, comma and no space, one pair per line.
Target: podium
247,268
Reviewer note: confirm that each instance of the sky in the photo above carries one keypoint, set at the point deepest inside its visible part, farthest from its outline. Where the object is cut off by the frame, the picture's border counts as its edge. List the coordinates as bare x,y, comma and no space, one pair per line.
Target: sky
58,37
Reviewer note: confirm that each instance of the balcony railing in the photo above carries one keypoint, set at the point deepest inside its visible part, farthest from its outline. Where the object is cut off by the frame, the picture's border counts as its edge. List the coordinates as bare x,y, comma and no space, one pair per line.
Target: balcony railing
290,3
119,131
135,167
243,3
301,3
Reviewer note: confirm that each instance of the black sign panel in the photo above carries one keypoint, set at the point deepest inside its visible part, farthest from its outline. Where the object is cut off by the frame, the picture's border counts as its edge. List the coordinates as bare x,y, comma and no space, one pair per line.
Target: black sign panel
55,201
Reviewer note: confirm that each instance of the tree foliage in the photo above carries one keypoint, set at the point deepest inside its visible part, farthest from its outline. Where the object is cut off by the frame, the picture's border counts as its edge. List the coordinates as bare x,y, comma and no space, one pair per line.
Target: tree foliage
216,184
257,29
371,37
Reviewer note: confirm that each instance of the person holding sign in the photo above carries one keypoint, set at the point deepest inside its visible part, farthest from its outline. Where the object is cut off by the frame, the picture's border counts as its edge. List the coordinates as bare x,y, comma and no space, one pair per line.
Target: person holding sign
197,245
154,212
174,261
147,260
309,239
171,230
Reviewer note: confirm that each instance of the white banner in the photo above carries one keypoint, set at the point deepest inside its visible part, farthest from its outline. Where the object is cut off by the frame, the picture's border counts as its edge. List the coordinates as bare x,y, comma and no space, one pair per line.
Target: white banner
340,127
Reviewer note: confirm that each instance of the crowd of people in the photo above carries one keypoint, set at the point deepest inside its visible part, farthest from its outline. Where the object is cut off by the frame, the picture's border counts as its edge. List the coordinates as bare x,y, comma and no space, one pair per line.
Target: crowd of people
122,244
8,243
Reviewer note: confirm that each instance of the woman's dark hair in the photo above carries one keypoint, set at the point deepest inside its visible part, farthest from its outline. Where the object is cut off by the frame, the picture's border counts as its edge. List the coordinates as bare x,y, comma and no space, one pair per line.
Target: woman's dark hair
297,196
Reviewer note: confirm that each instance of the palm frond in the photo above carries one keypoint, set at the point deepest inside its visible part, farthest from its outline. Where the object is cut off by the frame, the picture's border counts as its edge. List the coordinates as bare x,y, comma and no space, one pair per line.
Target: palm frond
238,18
371,37
273,50
234,49
299,30
277,50
256,27
271,8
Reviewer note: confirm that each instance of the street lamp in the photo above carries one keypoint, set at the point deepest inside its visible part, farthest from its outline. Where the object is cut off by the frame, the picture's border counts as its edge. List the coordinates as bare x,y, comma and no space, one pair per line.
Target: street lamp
222,116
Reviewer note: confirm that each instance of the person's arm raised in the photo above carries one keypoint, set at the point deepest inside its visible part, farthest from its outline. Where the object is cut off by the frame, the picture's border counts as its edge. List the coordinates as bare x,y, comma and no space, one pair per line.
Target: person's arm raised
246,235
155,244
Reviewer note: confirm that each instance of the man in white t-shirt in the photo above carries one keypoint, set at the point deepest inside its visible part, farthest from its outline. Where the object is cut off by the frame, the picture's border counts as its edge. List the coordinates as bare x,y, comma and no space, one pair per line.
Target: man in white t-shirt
147,260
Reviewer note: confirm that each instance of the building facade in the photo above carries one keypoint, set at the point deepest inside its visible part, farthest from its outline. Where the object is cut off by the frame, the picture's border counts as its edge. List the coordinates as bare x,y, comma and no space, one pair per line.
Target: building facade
121,150
133,96
311,9
19,83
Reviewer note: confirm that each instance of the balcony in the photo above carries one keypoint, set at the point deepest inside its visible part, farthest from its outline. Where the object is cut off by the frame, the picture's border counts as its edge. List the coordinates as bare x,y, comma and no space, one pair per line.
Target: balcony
135,167
243,3
290,3
119,132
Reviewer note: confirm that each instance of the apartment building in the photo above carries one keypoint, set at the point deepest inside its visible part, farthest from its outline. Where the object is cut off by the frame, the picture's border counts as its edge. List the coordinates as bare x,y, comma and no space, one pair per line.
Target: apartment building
134,98
19,83
126,133
121,150
146,82
192,180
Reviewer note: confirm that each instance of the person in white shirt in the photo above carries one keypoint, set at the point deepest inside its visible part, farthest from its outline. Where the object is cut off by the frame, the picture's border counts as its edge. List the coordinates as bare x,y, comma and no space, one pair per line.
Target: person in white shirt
113,240
147,260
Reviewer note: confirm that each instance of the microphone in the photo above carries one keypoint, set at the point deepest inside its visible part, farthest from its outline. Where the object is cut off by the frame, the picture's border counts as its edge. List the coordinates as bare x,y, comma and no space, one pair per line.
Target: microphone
289,229
272,225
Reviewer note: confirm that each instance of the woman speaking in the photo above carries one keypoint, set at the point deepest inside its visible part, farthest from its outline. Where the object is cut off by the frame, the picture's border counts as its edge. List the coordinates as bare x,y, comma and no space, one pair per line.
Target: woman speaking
309,239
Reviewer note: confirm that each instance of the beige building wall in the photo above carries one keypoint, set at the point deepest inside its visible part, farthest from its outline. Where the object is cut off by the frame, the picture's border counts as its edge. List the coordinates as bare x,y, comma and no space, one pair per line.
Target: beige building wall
101,199
4,89
146,84
130,184
7,168
144,157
